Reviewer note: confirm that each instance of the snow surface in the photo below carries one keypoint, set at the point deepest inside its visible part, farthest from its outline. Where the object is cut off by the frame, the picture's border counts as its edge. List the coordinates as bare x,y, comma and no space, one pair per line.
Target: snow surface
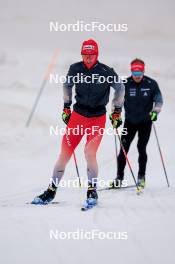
28,154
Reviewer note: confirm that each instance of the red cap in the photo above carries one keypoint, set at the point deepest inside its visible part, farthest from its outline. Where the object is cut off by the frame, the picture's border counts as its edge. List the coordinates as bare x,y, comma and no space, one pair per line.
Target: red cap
89,47
137,67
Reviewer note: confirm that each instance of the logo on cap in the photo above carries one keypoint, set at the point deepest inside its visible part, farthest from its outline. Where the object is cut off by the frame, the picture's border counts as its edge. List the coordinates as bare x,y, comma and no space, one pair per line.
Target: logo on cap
88,47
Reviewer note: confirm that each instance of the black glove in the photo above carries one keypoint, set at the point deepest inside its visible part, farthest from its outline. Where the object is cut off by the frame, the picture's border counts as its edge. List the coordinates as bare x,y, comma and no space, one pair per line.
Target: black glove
116,119
66,115
153,116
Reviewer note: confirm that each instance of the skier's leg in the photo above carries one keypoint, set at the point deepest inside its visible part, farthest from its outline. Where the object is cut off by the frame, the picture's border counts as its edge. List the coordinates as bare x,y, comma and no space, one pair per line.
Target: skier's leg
144,132
64,156
126,141
69,143
93,141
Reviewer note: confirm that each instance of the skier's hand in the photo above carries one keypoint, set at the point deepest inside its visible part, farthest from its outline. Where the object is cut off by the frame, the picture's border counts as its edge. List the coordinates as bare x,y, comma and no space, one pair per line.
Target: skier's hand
66,115
153,116
116,119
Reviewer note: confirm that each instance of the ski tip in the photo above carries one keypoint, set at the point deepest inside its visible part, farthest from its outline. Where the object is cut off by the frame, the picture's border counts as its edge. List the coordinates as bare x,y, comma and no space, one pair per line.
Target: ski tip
84,209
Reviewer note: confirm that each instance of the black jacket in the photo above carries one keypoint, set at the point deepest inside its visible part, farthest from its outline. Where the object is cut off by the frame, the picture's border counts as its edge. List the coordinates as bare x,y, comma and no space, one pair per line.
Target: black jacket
141,98
91,98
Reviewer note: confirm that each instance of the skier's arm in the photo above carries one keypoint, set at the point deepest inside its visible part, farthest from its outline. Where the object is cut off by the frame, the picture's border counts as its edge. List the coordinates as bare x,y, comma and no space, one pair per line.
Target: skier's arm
119,93
157,99
67,89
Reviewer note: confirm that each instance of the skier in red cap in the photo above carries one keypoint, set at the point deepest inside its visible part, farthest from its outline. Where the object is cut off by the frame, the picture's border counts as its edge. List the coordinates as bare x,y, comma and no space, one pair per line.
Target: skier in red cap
89,53
89,110
143,102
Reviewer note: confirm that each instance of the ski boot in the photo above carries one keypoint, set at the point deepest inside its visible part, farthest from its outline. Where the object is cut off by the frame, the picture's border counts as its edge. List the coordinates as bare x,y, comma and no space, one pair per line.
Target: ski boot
47,196
140,185
92,192
92,196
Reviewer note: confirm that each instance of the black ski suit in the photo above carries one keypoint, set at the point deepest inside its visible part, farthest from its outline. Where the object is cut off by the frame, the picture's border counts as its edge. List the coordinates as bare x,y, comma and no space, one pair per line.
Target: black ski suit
140,99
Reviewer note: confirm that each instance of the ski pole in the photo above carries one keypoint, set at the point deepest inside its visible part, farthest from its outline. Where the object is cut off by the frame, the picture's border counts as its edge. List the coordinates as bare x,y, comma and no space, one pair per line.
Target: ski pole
161,156
115,139
50,67
76,166
127,160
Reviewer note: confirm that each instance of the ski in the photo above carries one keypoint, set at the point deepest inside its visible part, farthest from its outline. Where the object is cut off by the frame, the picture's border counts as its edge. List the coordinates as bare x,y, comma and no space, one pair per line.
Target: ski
43,203
111,188
89,204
